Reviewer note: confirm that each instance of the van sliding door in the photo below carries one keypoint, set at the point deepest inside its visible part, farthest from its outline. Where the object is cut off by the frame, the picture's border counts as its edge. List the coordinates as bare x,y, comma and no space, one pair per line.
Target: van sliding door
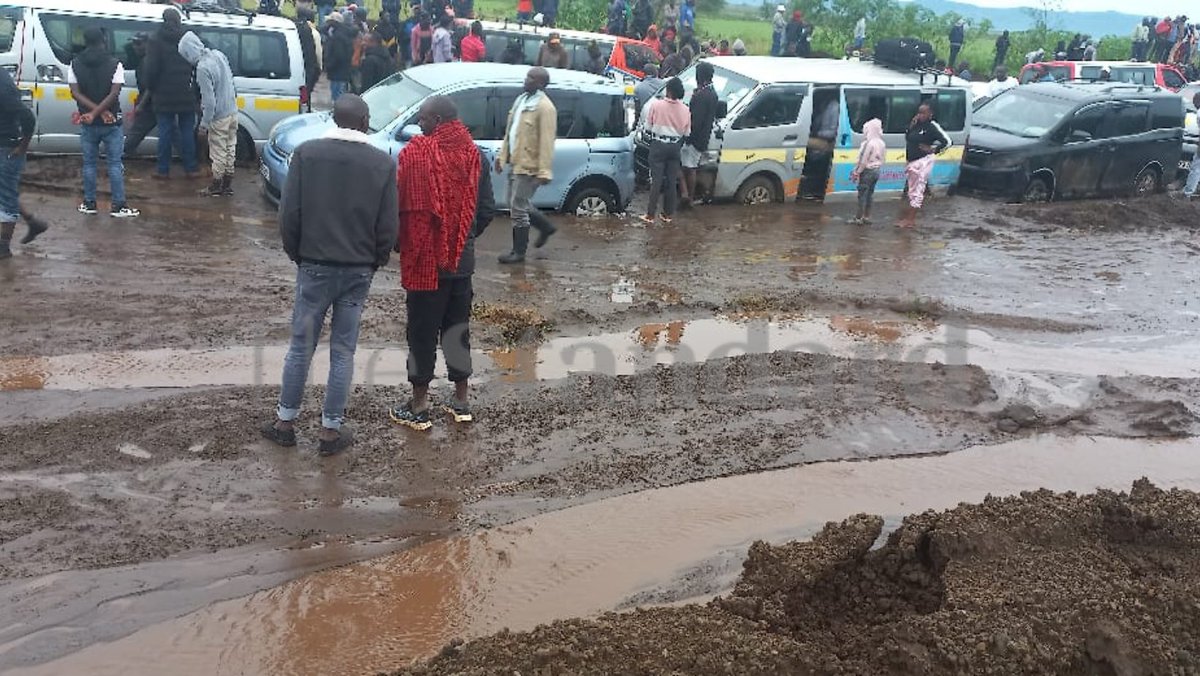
895,108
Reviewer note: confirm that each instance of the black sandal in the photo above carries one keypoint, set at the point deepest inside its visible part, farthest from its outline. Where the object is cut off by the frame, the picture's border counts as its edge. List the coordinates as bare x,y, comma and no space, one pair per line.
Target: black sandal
285,438
343,441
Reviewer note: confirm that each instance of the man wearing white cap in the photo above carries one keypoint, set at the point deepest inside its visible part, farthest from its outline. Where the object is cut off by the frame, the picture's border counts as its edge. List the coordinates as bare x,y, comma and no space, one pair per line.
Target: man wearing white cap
778,26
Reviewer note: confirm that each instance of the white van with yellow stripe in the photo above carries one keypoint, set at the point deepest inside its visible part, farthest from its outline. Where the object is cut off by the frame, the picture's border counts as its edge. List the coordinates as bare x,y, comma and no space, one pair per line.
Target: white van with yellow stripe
38,39
759,149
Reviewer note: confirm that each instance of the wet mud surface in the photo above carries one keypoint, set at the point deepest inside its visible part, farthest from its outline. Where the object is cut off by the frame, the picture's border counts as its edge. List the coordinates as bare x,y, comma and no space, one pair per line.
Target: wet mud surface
1043,583
142,355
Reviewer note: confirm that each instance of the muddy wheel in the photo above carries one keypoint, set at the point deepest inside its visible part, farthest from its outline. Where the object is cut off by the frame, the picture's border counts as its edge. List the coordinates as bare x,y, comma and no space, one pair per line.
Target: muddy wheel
757,190
245,153
1038,190
591,202
1146,182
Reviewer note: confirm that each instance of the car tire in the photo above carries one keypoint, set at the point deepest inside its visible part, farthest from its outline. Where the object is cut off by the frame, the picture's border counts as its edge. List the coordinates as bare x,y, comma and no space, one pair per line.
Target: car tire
1037,190
757,190
245,153
590,202
1147,182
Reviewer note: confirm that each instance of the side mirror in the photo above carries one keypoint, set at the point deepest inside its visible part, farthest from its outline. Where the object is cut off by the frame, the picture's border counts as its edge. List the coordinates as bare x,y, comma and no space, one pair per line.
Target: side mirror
408,131
1079,135
722,109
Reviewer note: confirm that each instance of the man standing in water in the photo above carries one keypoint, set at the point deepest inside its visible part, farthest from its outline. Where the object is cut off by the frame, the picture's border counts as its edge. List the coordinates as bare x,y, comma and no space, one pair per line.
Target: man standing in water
528,152
337,217
445,203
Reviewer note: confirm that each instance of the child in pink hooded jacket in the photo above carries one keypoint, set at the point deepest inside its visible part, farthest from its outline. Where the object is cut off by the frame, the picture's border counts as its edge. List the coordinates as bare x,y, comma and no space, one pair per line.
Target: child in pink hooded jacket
871,156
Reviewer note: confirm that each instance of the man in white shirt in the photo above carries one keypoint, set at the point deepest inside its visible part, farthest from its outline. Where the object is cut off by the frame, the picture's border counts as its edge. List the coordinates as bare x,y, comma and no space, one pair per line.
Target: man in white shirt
1001,82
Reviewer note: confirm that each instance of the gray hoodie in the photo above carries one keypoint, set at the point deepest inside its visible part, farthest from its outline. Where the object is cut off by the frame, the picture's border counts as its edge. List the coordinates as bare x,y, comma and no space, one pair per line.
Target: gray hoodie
218,98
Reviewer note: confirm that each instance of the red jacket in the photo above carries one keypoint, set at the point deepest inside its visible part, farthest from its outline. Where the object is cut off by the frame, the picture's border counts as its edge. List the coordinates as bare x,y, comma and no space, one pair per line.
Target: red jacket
1164,28
472,49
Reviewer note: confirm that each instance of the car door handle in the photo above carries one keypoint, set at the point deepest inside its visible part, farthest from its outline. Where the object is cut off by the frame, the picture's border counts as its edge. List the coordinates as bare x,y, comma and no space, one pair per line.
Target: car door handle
791,137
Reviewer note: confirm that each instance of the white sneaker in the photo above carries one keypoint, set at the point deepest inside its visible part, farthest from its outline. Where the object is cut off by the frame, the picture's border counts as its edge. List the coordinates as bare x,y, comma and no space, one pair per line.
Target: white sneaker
124,212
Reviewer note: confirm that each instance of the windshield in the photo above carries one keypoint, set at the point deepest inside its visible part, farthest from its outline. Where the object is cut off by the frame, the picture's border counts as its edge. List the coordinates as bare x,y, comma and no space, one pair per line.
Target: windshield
1022,113
729,87
388,99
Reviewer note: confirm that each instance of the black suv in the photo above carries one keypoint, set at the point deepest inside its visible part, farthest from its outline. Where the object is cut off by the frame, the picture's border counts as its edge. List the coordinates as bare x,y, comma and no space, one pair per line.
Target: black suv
1049,140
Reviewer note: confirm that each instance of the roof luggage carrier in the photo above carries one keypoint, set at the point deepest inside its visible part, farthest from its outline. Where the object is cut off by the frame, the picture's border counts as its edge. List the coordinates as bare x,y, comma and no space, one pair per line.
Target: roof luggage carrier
922,71
214,7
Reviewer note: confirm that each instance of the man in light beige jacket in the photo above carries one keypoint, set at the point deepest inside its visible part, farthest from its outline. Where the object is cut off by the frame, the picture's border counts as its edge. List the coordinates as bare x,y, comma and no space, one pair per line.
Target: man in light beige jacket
528,151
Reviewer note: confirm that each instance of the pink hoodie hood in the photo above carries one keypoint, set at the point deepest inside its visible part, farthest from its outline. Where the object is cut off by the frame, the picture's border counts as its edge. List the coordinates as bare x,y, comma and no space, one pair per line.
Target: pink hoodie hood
874,150
873,129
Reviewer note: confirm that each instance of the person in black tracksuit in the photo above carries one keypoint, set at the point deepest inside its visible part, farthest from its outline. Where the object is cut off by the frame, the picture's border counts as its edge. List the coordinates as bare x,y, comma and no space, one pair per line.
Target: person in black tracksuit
144,119
308,49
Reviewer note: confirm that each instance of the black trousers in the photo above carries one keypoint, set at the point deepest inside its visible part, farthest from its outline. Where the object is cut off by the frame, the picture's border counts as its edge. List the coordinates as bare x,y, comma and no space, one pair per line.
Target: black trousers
440,317
143,123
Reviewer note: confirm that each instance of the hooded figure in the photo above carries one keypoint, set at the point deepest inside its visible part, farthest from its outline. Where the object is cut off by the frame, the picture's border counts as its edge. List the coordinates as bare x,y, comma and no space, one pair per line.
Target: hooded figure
218,109
871,156
739,47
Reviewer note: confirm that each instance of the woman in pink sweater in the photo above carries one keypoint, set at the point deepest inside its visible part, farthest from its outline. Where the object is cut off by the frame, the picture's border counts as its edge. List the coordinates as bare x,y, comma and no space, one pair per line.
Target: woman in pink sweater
667,123
871,156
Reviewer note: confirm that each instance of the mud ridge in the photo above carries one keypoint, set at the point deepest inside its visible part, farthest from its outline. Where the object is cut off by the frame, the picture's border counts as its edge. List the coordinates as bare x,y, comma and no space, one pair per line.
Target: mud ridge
1041,583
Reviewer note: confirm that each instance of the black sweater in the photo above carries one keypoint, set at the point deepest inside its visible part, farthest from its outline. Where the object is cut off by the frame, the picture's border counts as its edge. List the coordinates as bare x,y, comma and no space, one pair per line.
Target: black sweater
17,121
485,210
340,205
169,76
923,134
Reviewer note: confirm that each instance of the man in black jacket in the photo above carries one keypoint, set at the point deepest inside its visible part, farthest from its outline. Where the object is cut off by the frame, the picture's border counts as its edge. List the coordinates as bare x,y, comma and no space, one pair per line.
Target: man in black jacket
339,54
704,114
17,122
170,81
376,62
144,119
338,217
308,49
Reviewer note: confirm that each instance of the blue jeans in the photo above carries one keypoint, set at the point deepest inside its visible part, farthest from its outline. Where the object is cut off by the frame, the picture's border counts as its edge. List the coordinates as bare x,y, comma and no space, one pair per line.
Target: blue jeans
323,12
336,89
113,138
10,185
319,288
180,126
776,43
1193,179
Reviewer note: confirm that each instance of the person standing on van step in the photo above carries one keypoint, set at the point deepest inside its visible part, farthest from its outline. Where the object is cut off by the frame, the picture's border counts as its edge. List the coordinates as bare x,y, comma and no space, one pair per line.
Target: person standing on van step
552,54
96,78
17,123
1002,45
443,41
339,54
819,155
338,222
703,110
172,88
871,156
958,33
144,120
310,42
377,64
445,203
528,152
218,110
667,123
923,142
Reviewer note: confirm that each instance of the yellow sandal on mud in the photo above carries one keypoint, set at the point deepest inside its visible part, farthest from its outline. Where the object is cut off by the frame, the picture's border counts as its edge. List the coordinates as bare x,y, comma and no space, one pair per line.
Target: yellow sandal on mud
405,415
459,410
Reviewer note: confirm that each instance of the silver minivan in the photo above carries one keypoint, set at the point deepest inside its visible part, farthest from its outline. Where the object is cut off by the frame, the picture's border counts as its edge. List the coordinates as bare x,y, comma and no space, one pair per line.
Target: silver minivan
38,39
758,150
593,153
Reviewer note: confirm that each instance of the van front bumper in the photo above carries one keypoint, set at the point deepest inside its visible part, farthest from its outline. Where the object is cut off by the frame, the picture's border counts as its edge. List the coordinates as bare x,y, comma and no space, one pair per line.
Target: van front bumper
1007,183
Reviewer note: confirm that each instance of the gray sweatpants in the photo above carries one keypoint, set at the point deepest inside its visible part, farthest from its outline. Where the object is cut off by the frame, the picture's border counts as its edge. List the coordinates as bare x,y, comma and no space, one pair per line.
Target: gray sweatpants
520,191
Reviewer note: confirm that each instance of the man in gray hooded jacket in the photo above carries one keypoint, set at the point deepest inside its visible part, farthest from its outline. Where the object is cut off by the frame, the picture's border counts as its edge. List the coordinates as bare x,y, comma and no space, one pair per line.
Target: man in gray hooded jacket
218,110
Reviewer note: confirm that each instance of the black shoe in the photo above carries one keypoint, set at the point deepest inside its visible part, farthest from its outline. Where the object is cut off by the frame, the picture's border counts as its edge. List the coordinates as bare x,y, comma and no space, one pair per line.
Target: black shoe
460,410
35,227
214,189
520,246
122,211
227,185
344,440
5,250
285,438
88,208
417,420
544,227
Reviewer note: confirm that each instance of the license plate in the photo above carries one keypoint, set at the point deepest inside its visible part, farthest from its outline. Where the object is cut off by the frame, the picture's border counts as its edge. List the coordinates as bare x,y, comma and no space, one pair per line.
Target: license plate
1185,165
266,173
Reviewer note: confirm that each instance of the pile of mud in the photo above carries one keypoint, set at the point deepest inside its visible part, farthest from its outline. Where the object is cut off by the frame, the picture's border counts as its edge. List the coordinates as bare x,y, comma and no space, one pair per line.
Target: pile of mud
1043,583
1131,214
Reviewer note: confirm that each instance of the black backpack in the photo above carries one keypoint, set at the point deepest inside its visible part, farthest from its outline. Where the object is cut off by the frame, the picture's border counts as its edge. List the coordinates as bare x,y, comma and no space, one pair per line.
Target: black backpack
907,53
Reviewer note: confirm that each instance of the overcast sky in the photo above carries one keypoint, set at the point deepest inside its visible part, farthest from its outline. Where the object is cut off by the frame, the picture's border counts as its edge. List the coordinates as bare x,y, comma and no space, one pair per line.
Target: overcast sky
1159,7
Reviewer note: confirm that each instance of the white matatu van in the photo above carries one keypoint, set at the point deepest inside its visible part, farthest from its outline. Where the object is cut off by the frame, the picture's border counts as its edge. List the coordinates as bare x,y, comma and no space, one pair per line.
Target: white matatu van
38,39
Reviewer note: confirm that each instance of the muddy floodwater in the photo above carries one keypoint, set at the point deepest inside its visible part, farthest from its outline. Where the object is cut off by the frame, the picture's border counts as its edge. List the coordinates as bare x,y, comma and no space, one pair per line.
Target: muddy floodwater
650,402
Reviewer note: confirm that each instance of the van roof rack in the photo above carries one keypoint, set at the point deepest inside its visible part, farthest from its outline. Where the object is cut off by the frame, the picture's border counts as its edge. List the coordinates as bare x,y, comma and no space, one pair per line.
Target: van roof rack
921,71
1110,86
214,7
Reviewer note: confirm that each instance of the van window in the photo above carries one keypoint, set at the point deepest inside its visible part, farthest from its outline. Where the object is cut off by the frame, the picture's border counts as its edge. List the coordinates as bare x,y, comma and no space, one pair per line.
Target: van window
1166,113
473,113
950,109
600,116
262,55
9,18
729,87
774,107
564,105
638,55
1060,73
1172,79
1128,119
894,107
1089,120
1022,112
